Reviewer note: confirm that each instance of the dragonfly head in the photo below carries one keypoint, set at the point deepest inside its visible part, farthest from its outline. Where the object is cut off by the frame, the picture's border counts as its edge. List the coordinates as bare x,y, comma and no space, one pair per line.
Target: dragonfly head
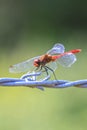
37,63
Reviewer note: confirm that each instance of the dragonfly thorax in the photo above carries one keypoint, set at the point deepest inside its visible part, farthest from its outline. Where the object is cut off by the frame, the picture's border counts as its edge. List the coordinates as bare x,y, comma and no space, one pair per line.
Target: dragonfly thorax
43,60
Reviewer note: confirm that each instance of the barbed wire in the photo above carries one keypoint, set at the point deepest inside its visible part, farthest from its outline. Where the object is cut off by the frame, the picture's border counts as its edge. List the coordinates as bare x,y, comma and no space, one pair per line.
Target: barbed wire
29,80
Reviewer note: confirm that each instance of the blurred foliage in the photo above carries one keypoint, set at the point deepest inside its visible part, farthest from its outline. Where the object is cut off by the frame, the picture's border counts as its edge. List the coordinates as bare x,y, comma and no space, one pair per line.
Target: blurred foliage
48,18
30,28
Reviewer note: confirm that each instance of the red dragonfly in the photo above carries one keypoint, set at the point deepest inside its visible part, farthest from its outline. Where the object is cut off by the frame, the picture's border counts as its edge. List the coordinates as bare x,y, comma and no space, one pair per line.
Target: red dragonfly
47,62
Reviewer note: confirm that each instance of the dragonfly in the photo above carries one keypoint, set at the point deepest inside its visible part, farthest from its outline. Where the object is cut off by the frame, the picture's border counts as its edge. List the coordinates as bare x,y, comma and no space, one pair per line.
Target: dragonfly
47,62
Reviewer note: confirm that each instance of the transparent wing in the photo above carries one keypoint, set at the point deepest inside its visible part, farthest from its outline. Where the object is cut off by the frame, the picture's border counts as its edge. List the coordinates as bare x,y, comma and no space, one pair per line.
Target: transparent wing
57,49
67,60
23,66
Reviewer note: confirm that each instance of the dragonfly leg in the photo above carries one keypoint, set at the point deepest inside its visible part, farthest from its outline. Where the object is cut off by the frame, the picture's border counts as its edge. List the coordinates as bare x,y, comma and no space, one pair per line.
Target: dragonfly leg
48,68
40,68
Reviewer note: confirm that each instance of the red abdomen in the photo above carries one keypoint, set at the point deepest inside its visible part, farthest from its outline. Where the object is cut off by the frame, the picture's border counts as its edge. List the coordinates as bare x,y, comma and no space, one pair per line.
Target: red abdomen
55,57
75,51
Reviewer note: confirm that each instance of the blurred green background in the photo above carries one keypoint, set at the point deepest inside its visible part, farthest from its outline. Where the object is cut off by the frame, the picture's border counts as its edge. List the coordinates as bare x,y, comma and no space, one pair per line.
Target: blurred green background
30,28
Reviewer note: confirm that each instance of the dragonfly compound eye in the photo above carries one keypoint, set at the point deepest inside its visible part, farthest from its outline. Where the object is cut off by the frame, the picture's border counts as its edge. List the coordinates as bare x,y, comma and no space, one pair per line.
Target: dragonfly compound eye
37,63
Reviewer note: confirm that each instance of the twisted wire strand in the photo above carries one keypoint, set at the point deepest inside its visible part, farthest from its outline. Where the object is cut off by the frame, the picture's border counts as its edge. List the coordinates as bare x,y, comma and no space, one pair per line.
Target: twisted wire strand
29,80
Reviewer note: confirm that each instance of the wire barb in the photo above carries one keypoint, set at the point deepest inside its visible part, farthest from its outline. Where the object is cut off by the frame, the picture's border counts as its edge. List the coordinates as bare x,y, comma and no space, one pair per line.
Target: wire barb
29,80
